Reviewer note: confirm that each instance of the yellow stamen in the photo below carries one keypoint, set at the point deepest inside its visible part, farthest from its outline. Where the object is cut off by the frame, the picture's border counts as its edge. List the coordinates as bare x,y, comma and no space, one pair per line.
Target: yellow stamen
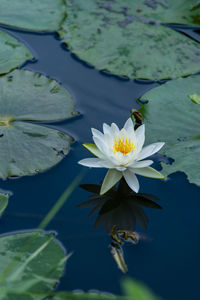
123,145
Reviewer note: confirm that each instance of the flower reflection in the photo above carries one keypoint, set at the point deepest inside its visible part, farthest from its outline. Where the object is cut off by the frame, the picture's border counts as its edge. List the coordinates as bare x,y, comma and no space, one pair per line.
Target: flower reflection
119,210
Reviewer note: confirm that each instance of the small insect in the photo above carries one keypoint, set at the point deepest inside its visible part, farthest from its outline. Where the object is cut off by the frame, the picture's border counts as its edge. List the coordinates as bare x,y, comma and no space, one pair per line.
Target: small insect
136,117
119,236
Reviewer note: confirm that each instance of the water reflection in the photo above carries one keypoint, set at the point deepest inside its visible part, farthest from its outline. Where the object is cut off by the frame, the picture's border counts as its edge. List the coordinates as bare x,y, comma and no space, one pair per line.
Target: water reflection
119,211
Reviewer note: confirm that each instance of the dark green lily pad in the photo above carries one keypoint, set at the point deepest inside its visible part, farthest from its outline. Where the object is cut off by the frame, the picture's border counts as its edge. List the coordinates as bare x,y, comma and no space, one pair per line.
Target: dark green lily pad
12,53
45,15
3,202
162,11
171,117
29,262
128,39
27,148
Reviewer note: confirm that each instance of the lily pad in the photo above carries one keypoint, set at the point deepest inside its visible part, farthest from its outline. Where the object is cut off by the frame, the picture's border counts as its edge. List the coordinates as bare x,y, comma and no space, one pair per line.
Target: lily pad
3,202
27,148
128,39
172,117
163,11
45,15
12,53
29,262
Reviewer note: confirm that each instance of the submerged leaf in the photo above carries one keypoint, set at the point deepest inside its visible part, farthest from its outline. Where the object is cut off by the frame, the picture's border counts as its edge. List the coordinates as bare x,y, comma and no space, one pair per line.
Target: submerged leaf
27,148
170,116
12,53
45,15
3,202
129,39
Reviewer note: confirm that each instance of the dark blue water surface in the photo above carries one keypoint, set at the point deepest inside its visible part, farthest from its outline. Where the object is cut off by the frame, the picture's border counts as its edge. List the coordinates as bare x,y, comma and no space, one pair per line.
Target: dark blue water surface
167,260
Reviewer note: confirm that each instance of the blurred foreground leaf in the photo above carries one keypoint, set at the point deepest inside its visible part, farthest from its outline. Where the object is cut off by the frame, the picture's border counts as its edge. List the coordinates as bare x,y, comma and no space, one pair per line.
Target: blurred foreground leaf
137,291
29,262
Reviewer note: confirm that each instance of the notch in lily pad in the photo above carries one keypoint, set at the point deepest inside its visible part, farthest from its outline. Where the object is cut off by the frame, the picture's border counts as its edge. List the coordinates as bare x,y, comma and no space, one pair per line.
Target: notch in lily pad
27,148
13,53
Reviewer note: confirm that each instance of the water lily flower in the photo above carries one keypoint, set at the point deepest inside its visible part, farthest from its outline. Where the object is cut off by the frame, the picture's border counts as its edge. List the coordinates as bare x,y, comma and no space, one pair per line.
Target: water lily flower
122,152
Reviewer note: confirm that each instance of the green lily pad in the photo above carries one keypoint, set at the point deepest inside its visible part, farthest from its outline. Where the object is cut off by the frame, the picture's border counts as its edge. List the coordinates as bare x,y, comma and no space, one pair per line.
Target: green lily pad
27,148
45,15
3,202
167,11
128,39
29,262
12,53
171,117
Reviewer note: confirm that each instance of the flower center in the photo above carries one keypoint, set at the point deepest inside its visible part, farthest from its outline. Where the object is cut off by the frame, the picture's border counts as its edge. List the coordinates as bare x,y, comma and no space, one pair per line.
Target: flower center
123,145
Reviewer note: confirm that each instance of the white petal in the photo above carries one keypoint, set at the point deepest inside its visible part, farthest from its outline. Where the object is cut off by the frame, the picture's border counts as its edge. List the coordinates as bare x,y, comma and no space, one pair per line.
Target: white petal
100,144
120,169
111,178
107,164
106,128
119,156
149,150
109,140
141,164
129,124
131,180
91,162
97,133
148,172
140,135
94,150
115,129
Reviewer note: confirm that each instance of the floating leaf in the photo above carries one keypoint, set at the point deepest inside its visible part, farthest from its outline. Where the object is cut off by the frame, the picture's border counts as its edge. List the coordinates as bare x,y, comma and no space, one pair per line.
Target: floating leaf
128,39
172,117
12,53
27,148
45,15
29,262
3,202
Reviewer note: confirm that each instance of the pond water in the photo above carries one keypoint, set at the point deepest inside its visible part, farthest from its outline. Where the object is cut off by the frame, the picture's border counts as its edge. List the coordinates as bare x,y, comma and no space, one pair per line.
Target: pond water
167,255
